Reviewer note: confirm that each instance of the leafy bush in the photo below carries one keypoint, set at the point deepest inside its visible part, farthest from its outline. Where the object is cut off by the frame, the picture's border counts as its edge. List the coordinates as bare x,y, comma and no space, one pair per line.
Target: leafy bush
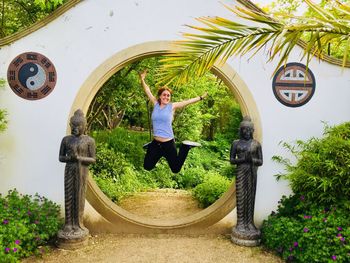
212,188
321,172
26,223
190,177
308,233
114,175
125,141
313,225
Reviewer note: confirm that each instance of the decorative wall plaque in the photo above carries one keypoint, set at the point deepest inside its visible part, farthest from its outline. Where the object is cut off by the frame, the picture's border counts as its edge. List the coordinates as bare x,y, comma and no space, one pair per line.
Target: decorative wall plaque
31,76
294,85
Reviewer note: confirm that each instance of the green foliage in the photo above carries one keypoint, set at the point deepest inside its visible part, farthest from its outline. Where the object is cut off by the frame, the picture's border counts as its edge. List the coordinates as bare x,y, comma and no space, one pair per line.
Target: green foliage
213,187
217,39
120,157
3,120
313,225
115,176
300,232
26,223
284,9
190,177
125,141
19,14
48,4
321,172
3,113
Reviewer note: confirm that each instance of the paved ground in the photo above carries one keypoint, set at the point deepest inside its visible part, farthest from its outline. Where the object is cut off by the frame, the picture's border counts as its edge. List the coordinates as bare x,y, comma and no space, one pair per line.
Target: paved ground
159,248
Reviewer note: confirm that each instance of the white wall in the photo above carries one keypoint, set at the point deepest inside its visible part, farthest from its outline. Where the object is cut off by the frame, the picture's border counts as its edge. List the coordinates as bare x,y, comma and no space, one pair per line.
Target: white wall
94,30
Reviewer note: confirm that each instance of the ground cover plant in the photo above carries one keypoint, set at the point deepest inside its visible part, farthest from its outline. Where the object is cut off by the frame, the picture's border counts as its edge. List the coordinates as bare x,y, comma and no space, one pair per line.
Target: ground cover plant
313,224
27,224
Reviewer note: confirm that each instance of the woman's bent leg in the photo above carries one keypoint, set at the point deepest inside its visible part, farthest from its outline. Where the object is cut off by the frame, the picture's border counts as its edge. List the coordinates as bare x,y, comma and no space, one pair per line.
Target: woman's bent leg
153,154
175,161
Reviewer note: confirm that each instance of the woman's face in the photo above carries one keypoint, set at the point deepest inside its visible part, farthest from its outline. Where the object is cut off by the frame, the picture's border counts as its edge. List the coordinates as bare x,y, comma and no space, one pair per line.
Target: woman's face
165,97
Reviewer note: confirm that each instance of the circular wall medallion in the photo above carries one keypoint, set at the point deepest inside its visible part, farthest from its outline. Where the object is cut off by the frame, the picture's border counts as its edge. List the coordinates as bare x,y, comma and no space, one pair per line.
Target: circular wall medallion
294,85
31,76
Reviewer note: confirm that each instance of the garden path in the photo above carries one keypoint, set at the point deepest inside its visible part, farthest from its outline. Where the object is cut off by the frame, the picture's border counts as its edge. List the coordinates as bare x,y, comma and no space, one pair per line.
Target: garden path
159,248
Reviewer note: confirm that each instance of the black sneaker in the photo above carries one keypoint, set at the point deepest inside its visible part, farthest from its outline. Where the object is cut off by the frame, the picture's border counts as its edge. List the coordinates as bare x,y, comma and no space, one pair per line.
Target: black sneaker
192,144
145,146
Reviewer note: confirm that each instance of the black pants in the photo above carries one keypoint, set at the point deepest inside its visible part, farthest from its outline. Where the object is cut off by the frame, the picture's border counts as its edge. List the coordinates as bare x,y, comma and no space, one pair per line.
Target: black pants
157,150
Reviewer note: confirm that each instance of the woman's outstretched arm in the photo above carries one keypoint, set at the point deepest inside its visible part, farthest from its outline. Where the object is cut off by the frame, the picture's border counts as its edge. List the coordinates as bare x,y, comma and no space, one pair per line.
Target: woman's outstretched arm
184,103
146,87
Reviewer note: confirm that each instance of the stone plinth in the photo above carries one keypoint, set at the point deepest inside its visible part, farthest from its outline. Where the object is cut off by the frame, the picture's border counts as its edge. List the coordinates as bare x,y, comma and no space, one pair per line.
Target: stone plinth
245,238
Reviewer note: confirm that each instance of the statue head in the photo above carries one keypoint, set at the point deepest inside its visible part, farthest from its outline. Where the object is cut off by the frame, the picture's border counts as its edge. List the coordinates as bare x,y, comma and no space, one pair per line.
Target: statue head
246,128
78,123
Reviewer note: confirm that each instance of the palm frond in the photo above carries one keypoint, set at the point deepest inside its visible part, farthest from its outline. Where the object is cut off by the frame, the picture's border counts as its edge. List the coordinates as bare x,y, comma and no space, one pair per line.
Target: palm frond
218,39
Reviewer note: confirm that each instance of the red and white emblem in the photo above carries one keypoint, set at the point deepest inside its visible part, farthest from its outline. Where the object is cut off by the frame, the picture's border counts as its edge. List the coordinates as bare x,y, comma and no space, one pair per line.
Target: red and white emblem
293,85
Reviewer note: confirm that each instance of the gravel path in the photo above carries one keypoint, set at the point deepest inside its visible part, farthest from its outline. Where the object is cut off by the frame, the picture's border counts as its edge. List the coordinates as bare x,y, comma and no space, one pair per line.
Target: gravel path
159,248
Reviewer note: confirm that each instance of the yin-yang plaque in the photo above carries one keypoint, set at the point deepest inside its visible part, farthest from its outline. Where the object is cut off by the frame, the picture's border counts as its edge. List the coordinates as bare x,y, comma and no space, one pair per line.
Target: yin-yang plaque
31,76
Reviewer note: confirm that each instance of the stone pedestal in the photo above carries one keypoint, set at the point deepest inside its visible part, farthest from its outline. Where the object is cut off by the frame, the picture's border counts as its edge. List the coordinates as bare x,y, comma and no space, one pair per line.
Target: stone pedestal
72,240
246,238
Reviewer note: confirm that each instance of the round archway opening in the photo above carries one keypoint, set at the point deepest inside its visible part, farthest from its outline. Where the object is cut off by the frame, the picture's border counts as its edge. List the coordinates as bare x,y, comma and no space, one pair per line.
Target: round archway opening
104,205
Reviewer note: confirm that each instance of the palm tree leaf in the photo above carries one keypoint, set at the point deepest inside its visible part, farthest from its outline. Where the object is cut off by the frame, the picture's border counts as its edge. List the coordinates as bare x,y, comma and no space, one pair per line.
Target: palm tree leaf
217,39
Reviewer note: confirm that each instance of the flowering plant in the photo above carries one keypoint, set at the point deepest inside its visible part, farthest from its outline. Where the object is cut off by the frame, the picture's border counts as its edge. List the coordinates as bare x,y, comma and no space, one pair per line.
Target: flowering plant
312,234
26,223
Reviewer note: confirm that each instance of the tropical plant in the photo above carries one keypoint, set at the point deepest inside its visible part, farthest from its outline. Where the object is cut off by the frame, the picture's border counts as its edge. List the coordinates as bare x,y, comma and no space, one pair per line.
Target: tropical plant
321,172
220,38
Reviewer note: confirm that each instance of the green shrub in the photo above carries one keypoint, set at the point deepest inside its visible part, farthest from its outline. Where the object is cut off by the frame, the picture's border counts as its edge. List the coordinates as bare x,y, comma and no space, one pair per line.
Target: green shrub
26,223
322,170
190,177
313,225
114,175
161,175
109,162
124,141
308,233
119,188
212,188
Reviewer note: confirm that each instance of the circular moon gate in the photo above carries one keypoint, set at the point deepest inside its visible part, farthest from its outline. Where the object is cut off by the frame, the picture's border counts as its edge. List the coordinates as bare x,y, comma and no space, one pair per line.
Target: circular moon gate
122,221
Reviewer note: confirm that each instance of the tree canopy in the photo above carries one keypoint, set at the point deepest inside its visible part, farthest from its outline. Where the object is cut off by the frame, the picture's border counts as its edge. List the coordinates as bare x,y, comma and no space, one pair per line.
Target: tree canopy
18,14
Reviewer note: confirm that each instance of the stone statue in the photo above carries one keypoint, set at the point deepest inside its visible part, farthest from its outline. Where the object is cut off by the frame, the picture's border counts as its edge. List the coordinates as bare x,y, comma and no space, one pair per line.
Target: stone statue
77,151
246,153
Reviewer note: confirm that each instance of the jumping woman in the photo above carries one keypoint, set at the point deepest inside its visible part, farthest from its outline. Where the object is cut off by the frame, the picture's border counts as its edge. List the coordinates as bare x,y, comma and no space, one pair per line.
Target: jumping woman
163,143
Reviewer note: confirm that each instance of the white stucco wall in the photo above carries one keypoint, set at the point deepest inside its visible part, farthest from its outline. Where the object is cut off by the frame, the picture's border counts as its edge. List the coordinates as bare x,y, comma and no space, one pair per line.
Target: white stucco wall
88,34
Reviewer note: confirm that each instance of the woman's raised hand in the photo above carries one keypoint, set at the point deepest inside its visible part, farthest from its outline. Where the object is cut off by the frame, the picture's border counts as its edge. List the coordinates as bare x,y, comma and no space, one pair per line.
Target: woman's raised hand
204,95
143,74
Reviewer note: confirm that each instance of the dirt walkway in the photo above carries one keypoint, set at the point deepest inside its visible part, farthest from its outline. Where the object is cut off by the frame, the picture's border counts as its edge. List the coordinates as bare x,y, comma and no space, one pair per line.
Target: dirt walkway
160,248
